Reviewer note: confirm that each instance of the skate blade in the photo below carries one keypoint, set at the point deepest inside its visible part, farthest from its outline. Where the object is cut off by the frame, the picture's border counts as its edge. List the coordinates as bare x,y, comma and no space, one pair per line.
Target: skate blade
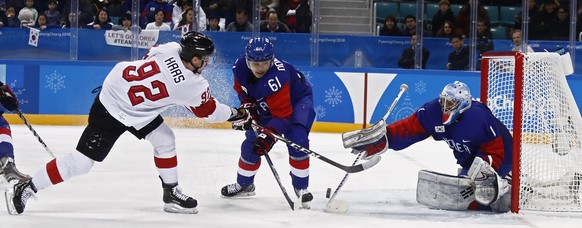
241,195
337,206
174,208
9,195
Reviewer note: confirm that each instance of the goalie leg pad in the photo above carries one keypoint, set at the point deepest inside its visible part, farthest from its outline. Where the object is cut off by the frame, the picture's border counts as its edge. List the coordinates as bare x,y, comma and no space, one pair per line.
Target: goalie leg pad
364,136
445,192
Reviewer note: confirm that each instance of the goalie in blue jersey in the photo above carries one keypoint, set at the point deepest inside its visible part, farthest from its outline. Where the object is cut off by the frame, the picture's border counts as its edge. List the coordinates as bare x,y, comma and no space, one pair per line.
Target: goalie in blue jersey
282,100
481,144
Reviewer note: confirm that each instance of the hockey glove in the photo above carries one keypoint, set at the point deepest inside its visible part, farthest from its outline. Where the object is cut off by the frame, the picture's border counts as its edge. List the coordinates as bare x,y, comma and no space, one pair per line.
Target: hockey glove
7,98
265,140
245,122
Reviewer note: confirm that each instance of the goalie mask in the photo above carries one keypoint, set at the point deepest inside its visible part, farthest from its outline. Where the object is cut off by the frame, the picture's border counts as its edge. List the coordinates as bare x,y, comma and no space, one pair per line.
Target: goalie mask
454,100
195,44
259,54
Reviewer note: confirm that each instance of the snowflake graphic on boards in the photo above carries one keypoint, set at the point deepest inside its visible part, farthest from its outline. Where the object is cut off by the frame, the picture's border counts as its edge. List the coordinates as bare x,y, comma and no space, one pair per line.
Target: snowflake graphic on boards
319,112
18,92
420,87
333,96
55,81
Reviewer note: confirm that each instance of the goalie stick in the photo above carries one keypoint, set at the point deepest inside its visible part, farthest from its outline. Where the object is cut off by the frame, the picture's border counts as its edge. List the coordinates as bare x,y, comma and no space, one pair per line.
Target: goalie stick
34,132
350,169
340,206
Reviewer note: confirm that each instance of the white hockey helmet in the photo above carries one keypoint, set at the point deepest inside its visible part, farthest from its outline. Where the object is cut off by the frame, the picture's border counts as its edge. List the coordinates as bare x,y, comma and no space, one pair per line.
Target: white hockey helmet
454,99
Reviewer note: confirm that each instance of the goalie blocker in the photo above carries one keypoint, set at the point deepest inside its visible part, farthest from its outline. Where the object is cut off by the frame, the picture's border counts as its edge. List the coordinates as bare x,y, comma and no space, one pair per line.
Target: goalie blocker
447,192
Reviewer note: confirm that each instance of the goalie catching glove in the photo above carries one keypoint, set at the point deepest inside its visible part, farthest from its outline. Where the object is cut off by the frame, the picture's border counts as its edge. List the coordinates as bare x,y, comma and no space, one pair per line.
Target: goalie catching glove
372,140
7,98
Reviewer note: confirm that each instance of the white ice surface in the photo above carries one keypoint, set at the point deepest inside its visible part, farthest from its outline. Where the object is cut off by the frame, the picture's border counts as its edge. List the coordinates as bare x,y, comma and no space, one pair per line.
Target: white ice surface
124,190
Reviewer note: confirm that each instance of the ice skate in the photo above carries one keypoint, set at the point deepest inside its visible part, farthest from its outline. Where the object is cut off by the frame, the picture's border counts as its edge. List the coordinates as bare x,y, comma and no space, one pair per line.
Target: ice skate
305,197
236,190
17,197
9,173
176,201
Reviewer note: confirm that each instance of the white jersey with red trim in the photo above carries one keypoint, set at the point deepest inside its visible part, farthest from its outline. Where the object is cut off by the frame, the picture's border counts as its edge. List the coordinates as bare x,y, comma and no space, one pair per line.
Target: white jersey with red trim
136,92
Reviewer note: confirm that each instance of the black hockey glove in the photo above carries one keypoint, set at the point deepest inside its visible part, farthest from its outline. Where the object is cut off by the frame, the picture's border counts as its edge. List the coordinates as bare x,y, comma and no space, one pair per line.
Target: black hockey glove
245,122
7,98
265,140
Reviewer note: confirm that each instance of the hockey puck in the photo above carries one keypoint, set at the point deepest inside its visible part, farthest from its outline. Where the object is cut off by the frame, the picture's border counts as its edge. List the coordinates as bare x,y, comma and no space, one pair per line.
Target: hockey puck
328,193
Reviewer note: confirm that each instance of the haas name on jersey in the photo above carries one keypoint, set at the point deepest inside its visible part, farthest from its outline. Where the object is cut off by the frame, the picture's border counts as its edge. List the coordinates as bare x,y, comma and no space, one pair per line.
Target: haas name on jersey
174,69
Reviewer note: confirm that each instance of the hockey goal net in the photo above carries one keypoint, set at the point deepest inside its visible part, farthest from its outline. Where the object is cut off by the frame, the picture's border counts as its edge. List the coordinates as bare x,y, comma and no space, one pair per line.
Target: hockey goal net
530,95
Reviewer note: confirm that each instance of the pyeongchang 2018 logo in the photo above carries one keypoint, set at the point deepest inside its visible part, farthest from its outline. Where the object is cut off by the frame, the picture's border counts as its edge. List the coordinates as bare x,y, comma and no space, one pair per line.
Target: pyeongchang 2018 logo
539,106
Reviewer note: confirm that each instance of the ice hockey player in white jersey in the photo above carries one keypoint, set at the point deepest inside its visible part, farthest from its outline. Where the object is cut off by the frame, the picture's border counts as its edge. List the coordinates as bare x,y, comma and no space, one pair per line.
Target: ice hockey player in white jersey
132,97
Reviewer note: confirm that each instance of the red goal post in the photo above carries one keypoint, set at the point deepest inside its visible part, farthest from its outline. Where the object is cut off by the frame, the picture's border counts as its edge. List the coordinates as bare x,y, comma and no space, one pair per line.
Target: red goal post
530,95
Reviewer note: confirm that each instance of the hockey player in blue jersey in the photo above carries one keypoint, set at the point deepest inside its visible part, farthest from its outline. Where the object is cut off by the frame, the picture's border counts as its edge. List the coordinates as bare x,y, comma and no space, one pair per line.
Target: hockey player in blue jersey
481,144
283,99
8,171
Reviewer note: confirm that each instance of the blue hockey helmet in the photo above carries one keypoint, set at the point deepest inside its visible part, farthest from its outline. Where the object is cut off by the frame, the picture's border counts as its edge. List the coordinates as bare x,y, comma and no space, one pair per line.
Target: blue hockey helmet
454,100
259,49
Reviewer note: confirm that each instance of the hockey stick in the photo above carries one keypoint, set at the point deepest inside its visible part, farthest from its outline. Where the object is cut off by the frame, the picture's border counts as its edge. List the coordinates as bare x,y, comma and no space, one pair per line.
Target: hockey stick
339,206
350,169
34,132
292,204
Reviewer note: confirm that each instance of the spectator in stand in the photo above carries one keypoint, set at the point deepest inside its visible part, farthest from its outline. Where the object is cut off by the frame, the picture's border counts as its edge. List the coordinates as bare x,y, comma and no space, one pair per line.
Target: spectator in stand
102,21
214,23
297,16
86,14
234,6
53,16
518,42
406,60
17,4
447,30
389,28
69,20
11,20
158,24
443,15
544,18
560,28
484,40
241,24
217,7
532,14
125,23
463,20
410,28
41,23
178,11
263,11
150,9
459,58
187,21
28,14
273,24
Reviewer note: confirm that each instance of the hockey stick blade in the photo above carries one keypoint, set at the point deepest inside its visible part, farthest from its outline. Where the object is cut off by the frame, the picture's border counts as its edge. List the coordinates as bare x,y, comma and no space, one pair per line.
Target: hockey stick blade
350,169
337,206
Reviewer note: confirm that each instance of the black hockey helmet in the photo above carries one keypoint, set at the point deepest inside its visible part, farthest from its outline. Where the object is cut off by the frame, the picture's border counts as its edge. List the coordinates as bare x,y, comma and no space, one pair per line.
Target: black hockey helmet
195,44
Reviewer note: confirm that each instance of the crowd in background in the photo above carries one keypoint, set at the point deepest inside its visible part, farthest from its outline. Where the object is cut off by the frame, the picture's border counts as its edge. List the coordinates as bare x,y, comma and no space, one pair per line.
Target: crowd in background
212,15
548,20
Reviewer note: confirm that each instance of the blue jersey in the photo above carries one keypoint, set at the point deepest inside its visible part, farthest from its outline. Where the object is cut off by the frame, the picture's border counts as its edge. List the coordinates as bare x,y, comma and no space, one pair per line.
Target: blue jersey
475,133
279,94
